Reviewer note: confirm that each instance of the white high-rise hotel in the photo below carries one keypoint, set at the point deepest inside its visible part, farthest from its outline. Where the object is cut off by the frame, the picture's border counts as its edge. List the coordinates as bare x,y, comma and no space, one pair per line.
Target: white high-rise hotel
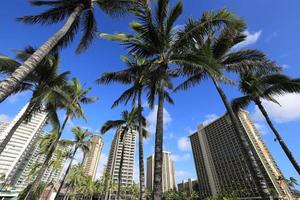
114,159
14,158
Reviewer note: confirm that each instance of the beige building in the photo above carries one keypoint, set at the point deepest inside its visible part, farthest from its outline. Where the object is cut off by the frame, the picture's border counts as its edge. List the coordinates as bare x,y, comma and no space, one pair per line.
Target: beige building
221,164
113,164
168,174
188,186
92,157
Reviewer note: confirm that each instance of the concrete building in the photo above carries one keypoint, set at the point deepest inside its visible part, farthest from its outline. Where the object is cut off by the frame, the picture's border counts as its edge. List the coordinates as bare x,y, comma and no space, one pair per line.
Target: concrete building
91,159
19,148
168,175
51,174
113,164
222,166
188,185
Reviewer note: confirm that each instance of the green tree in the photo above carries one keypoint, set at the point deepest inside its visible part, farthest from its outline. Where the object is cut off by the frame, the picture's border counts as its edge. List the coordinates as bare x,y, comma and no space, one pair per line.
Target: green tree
74,180
212,51
36,196
156,38
136,75
87,188
80,18
81,141
128,123
42,81
77,95
257,87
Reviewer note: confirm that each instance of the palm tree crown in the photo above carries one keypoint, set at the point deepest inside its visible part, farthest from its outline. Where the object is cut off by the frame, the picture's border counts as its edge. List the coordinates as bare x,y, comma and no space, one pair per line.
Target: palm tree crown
256,87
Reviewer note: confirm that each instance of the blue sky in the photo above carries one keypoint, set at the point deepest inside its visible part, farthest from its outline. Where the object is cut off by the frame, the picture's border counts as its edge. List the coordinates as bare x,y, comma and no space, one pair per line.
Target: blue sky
273,27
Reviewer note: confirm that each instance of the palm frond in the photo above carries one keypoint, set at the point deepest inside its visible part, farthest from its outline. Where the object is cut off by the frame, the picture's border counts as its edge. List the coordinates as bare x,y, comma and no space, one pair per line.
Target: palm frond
240,103
110,124
89,29
175,12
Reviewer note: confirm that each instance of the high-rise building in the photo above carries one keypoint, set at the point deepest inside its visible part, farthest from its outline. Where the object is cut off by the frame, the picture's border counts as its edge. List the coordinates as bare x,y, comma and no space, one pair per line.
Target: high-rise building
92,157
3,126
168,175
51,174
15,154
188,186
222,166
113,164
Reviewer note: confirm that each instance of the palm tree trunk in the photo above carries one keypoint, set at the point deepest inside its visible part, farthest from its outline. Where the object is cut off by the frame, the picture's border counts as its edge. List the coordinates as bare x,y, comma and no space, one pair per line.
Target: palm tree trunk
13,129
8,85
254,168
157,185
36,182
64,178
278,137
141,149
120,169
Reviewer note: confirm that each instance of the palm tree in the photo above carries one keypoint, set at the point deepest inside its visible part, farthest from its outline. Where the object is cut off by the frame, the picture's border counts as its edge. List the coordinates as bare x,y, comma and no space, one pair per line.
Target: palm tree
256,87
75,179
80,142
87,188
207,54
156,39
135,74
80,14
44,79
125,125
77,95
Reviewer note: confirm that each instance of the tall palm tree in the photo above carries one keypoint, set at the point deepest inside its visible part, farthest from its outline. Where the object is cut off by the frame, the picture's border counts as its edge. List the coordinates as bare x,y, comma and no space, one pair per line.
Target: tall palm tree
43,80
76,96
156,37
207,55
87,188
135,75
80,18
128,123
256,87
81,141
75,179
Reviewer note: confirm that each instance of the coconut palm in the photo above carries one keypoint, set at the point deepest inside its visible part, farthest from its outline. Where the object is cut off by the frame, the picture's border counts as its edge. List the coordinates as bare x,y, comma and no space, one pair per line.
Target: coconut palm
207,55
128,123
136,75
81,141
80,18
156,38
87,188
257,87
74,180
43,80
76,96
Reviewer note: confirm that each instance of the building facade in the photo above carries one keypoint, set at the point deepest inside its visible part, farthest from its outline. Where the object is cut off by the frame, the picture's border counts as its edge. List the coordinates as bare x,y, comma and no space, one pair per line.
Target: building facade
92,157
188,186
113,164
51,174
15,156
222,166
168,175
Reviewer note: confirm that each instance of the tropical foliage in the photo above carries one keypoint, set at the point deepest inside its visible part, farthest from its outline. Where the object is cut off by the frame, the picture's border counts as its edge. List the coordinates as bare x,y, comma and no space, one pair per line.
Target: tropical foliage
158,53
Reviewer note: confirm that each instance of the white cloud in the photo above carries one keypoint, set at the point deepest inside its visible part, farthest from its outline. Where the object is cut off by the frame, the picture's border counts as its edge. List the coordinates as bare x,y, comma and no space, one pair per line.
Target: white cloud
251,38
101,165
184,144
181,174
152,116
4,118
261,127
284,66
289,109
209,118
16,97
180,158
